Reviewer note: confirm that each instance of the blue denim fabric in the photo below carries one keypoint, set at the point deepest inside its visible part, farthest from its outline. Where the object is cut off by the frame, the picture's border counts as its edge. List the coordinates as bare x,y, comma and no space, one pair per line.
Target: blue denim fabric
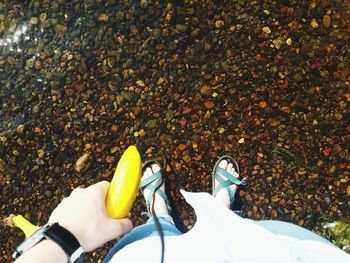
143,231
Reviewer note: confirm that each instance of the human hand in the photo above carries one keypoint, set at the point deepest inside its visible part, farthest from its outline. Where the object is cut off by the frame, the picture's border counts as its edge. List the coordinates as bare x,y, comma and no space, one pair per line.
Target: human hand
84,214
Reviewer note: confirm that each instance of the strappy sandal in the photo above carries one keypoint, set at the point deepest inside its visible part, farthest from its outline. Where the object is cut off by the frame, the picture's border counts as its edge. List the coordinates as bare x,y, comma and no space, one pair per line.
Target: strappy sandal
147,183
225,178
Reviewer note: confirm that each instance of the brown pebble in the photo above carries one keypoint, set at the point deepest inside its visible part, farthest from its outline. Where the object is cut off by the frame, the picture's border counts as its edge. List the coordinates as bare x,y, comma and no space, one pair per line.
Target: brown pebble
262,104
327,21
273,122
274,213
209,105
205,90
182,147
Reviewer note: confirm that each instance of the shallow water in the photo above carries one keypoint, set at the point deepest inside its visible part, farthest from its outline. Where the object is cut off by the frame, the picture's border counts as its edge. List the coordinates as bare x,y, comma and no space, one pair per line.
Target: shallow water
266,82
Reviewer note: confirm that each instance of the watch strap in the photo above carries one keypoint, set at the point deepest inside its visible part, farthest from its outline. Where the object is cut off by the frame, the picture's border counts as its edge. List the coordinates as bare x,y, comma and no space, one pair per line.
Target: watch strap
67,241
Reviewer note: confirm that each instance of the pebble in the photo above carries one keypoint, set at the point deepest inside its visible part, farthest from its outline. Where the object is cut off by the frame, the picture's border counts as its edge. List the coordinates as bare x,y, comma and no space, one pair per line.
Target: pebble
327,21
182,28
314,23
41,153
208,104
205,90
140,83
289,41
20,130
83,163
278,42
266,30
182,147
219,23
114,149
34,20
103,17
241,140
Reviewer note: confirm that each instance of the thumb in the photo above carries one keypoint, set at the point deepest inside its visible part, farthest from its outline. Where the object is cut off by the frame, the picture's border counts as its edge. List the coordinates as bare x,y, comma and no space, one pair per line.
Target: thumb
118,227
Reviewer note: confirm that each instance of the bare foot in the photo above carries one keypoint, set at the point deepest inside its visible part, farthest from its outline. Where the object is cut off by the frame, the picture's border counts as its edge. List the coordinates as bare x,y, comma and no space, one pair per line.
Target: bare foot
223,194
160,207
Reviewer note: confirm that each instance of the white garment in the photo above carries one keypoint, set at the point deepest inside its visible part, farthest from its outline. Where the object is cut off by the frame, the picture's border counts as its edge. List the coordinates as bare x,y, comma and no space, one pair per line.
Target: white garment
222,236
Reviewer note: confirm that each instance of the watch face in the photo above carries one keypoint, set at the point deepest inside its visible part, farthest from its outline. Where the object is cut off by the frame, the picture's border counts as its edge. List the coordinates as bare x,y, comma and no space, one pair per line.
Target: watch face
31,241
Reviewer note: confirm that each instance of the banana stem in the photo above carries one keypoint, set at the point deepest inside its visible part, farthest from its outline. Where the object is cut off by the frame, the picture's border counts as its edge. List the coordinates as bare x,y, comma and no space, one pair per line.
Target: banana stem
22,223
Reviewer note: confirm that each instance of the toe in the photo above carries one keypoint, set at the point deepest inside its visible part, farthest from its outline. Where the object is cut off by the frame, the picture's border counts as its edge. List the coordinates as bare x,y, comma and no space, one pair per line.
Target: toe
155,168
229,167
223,164
148,172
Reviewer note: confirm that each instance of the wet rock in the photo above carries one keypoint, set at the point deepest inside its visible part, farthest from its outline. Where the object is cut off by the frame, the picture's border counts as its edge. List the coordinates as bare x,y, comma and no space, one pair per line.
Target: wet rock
205,90
83,163
327,21
103,17
208,104
34,20
182,28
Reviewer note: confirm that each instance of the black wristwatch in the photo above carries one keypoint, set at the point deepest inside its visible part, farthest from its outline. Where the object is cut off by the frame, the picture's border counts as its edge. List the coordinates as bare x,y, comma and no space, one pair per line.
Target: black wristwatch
61,236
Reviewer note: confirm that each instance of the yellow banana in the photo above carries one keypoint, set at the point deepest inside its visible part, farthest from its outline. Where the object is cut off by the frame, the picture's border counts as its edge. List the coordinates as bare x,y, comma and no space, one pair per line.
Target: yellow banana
125,183
22,223
120,196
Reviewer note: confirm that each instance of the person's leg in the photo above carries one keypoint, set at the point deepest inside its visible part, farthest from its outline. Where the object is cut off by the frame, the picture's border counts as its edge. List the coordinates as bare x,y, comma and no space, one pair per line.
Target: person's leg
274,226
148,229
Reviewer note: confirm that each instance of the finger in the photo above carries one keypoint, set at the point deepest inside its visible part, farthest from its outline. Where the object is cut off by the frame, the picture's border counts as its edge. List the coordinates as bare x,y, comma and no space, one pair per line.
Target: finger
98,190
117,227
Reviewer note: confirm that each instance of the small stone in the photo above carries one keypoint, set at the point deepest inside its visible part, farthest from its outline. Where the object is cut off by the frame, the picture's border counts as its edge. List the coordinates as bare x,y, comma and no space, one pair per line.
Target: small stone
103,18
11,60
195,32
205,90
289,41
207,115
83,163
136,134
182,28
219,23
209,105
178,166
160,81
42,17
133,30
20,130
2,166
87,146
333,169
151,124
241,140
278,42
266,30
142,132
274,213
262,104
182,147
187,159
221,130
302,171
169,115
327,21
314,23
34,20
140,83
273,122
41,153
114,149
110,159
